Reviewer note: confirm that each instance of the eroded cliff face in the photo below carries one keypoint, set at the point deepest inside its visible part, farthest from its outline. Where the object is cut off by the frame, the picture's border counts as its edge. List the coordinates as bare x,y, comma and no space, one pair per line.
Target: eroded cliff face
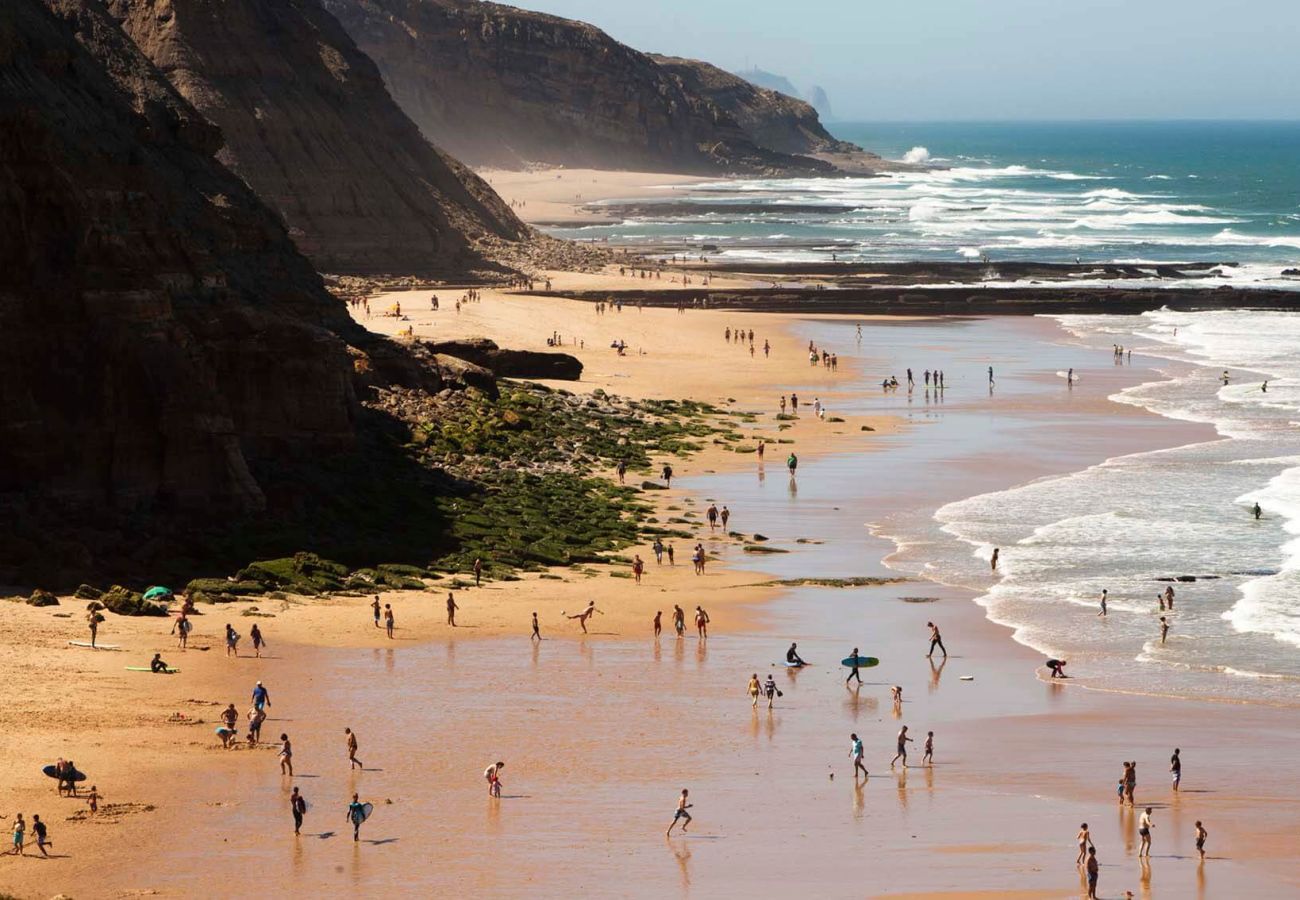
309,124
157,327
771,118
501,86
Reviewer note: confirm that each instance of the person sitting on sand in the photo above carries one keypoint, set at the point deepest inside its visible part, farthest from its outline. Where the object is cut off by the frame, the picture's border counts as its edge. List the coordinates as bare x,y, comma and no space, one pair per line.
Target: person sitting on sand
1057,667
157,666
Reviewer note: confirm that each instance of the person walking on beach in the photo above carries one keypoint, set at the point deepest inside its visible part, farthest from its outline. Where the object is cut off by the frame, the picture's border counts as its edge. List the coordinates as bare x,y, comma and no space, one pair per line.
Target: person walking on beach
658,623
1102,614
1201,835
42,833
583,616
712,515
679,620
1176,769
667,475
990,376
1084,837
668,548
681,813
356,815
725,516
493,775
771,690
638,568
1144,831
701,623
935,640
232,641
182,630
451,610
658,549
537,631
286,756
1130,781
792,463
853,667
1164,629
374,606
20,832
621,469
261,696
903,741
297,806
1092,869
353,762
755,689
855,754
927,758
478,572
259,642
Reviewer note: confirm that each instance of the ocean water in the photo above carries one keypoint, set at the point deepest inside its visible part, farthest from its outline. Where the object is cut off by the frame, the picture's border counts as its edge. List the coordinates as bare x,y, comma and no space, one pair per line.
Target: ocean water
1137,192
1135,519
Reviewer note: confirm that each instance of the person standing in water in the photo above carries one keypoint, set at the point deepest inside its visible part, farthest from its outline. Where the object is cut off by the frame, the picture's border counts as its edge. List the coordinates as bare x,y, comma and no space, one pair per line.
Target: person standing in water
1103,604
1201,835
681,813
1258,512
1092,869
855,754
1176,769
771,690
298,806
927,758
1144,831
935,640
1084,838
701,622
679,620
853,667
356,815
903,741
993,560
1164,629
353,762
792,463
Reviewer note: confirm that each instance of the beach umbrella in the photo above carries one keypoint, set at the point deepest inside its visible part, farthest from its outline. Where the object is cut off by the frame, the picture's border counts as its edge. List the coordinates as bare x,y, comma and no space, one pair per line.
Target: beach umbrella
157,592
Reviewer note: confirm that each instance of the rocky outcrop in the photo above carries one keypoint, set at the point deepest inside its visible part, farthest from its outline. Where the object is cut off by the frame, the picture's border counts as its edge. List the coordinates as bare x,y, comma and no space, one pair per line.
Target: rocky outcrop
158,329
310,126
511,363
501,86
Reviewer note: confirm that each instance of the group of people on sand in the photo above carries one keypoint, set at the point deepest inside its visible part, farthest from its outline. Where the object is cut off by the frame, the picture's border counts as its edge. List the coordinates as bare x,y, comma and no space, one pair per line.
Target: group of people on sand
745,337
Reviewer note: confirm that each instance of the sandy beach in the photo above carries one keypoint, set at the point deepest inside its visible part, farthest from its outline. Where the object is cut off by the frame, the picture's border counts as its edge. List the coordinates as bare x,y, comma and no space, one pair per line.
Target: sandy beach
599,733
551,196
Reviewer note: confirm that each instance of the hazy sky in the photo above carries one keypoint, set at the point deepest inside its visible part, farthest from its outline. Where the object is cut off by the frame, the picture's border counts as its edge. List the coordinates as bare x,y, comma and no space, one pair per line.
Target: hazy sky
988,59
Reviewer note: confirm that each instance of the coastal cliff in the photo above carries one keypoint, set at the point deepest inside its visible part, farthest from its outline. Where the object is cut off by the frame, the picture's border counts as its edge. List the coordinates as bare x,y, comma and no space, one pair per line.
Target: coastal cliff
310,126
771,118
157,324
500,86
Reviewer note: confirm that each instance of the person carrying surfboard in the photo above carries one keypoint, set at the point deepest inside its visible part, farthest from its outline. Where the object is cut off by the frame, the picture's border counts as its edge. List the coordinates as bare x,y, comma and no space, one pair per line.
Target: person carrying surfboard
792,656
852,663
357,813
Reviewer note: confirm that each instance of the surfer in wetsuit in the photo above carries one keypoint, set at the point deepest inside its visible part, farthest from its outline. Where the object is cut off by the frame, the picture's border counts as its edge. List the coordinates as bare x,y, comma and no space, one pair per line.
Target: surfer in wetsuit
156,665
853,667
792,656
1258,512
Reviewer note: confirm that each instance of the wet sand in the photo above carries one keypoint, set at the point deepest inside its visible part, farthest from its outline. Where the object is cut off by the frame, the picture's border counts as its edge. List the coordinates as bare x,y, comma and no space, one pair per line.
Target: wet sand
599,734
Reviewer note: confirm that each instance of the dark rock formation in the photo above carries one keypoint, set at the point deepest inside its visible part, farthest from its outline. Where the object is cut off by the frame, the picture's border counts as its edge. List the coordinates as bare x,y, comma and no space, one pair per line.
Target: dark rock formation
772,119
158,327
511,363
310,126
501,86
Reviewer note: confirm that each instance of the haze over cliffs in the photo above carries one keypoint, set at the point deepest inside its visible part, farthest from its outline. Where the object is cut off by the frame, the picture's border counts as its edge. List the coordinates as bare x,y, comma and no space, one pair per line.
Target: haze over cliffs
501,86
310,126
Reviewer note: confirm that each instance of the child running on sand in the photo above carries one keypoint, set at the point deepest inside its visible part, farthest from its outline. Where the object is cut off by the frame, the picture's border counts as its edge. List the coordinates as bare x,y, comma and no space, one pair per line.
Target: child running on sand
681,812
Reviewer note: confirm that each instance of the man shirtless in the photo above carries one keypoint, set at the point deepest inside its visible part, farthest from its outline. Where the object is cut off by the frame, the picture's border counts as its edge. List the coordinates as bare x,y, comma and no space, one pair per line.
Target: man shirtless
353,762
583,616
935,640
701,622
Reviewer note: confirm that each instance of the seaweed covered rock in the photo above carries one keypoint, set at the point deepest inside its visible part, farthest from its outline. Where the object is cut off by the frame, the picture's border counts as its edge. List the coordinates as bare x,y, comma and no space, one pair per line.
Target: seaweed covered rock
42,598
126,602
511,363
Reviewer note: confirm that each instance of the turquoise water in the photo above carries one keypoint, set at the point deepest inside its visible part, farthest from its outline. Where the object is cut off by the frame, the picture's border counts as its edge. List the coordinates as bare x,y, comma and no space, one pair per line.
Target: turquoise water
1140,192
